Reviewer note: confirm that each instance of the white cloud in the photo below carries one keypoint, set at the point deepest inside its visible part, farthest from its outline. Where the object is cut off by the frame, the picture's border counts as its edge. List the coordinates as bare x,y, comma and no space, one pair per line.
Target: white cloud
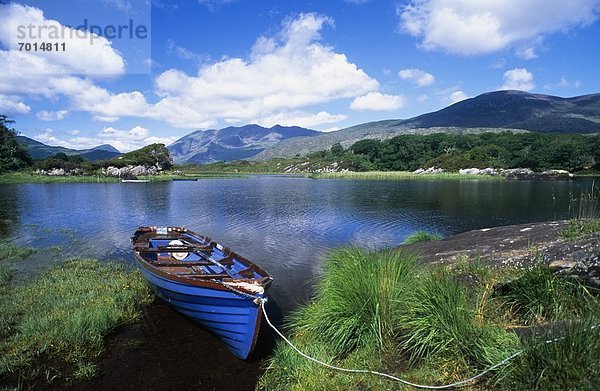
471,27
303,119
87,53
563,83
309,73
376,101
457,96
237,89
51,115
124,140
10,104
418,77
527,53
518,79
452,95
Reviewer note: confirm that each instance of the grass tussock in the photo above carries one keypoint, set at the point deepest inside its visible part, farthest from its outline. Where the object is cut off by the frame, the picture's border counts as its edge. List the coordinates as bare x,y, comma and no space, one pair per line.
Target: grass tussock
537,296
59,319
384,312
586,215
421,236
558,360
359,301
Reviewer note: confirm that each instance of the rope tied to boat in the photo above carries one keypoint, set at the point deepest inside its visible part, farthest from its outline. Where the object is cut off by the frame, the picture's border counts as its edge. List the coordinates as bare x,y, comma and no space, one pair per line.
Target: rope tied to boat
461,383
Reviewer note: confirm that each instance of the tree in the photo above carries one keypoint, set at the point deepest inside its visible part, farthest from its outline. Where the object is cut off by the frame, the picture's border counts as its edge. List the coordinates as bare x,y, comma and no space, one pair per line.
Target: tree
151,155
12,155
337,150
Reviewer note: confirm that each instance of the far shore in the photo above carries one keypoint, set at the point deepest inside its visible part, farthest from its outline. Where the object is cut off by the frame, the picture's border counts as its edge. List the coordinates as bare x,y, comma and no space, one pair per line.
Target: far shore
29,177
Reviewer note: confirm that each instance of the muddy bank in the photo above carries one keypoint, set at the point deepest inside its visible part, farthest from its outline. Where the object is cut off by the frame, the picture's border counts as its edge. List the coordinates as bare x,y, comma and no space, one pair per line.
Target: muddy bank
166,351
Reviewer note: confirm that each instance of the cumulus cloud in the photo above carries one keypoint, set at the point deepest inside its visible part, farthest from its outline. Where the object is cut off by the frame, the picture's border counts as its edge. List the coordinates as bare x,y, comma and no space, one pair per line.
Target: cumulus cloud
563,83
418,77
51,115
376,101
299,118
124,140
88,54
471,27
283,75
518,79
452,95
10,104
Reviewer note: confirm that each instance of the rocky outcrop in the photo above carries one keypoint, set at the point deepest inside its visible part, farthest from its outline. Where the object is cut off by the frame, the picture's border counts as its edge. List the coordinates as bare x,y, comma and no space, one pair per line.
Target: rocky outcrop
520,246
430,170
517,173
130,171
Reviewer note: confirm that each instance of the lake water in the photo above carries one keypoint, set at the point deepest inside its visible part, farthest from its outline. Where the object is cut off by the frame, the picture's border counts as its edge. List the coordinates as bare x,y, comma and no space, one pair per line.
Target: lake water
285,224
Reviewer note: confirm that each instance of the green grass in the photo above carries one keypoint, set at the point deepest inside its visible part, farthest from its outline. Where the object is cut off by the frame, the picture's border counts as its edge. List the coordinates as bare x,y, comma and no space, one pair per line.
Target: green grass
442,322
580,227
399,175
536,296
586,215
359,301
384,312
56,323
421,236
27,177
570,362
9,253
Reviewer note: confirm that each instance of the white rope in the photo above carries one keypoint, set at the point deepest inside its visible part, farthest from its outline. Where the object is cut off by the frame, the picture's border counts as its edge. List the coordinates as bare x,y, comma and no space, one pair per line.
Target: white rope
457,384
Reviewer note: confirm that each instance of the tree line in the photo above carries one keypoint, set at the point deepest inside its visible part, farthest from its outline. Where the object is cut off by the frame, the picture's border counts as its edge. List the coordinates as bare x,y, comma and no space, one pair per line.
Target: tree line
538,151
14,156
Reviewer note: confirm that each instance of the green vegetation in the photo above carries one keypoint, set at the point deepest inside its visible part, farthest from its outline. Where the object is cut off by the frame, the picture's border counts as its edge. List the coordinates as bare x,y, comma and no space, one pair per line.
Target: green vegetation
398,175
421,236
434,325
27,177
151,155
586,211
12,155
53,327
538,151
9,253
570,362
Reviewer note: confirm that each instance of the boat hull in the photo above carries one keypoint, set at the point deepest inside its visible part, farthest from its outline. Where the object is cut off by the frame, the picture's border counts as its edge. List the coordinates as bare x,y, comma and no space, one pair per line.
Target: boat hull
233,317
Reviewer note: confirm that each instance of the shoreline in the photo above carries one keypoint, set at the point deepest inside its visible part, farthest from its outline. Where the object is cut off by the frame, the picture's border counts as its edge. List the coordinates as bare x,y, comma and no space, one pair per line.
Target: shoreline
19,177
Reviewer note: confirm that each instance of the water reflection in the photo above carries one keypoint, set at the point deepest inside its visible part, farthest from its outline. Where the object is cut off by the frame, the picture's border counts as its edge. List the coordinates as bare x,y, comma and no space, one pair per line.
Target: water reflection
285,224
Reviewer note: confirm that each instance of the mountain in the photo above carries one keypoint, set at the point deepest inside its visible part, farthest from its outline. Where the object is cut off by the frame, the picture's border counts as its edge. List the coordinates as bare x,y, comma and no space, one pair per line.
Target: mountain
232,143
39,150
492,111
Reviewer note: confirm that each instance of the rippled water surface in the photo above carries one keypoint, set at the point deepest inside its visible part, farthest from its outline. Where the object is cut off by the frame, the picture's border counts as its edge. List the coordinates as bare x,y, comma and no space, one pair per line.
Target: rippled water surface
285,224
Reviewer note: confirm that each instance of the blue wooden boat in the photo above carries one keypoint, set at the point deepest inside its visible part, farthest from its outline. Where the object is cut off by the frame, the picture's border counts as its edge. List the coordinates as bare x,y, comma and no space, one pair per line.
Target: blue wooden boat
205,281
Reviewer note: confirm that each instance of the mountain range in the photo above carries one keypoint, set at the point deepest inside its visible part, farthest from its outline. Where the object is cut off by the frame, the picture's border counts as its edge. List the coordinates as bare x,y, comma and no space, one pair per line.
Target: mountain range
232,143
38,150
516,111
492,111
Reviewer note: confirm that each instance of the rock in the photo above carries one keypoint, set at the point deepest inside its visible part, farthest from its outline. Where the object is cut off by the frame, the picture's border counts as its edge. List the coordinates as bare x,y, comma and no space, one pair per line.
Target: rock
562,266
518,246
527,173
430,170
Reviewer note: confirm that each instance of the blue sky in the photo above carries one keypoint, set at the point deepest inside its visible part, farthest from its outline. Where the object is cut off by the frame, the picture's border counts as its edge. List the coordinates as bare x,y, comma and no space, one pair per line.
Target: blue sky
324,65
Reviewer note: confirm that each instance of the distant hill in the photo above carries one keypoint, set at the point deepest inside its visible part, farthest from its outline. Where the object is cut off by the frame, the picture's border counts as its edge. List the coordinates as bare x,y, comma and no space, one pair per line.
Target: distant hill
232,143
39,150
493,111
